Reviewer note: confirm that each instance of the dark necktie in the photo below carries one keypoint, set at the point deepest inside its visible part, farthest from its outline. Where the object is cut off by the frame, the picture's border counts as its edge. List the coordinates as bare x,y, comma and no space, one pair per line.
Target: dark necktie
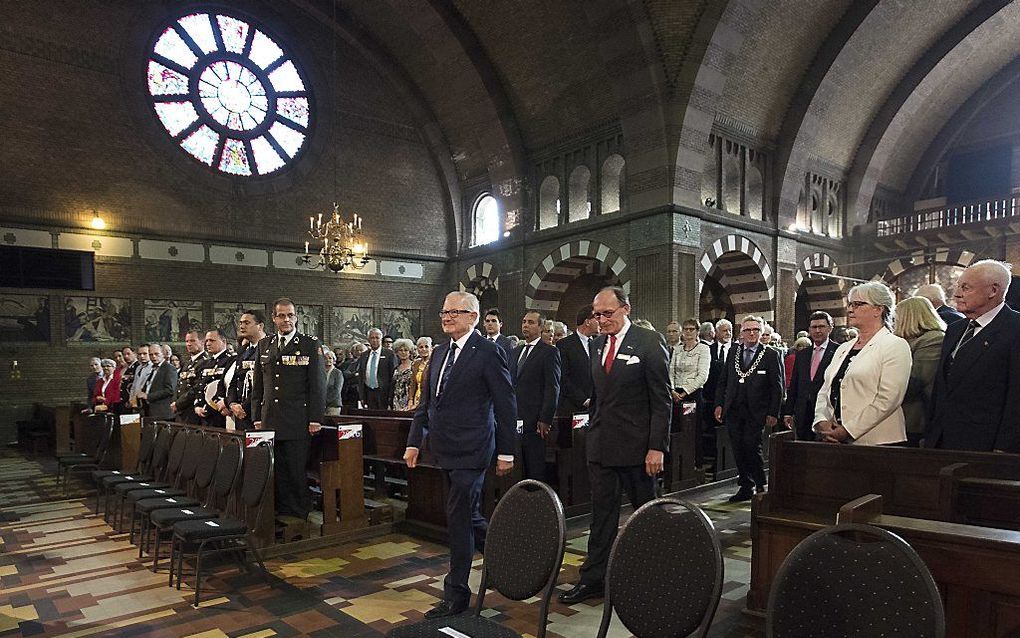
279,346
968,334
447,368
748,356
524,357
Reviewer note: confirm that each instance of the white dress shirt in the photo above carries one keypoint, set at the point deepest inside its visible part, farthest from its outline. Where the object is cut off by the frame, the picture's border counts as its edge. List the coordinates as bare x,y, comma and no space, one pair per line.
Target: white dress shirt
619,340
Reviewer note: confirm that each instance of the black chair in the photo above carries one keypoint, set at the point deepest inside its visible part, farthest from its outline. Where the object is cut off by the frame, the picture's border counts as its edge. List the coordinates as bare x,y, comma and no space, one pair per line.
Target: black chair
164,481
103,479
665,572
523,555
82,463
224,485
181,486
207,457
854,580
225,535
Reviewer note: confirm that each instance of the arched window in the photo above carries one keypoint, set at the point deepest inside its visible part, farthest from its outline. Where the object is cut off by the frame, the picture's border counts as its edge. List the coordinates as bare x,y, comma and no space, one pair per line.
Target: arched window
580,194
485,220
228,94
549,203
612,183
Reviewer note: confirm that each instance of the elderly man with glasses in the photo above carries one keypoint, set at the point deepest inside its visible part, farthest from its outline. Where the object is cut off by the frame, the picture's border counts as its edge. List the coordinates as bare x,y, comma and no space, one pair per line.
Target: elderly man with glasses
749,397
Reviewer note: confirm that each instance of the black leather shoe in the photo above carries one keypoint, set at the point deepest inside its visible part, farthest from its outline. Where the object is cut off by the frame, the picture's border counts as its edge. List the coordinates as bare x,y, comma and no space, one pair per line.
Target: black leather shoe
743,494
444,609
580,592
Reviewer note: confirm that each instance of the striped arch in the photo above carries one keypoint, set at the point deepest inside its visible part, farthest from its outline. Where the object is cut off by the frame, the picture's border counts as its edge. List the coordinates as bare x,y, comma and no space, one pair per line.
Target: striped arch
480,275
744,272
822,293
568,262
941,256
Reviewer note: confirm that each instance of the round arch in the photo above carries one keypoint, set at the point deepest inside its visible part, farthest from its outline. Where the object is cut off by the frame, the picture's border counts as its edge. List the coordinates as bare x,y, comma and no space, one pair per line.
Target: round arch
482,280
816,293
551,279
742,270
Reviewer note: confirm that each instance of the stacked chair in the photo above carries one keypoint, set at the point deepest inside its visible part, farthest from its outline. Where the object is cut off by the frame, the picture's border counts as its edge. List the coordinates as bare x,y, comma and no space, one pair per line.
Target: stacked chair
83,463
665,572
225,482
201,537
854,580
528,522
193,487
105,479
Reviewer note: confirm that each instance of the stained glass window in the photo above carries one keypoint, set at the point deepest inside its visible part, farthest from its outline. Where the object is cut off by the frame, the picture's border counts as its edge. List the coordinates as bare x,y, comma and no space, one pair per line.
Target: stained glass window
228,94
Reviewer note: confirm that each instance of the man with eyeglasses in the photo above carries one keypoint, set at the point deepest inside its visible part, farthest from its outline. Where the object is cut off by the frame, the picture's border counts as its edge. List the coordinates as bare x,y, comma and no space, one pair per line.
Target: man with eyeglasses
376,366
628,429
289,397
749,398
467,414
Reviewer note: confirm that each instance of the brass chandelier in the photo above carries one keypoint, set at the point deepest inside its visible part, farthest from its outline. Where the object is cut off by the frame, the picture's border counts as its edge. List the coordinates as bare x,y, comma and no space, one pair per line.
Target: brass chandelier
343,245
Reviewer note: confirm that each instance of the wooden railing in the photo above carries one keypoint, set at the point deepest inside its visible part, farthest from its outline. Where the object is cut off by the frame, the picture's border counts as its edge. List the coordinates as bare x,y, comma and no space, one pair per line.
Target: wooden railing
950,216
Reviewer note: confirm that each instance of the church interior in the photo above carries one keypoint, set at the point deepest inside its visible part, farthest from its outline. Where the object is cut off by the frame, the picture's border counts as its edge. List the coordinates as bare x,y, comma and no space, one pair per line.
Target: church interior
167,166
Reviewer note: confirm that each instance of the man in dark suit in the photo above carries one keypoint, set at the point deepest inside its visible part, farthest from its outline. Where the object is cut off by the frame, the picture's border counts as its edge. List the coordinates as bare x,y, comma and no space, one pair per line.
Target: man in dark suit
575,364
159,387
535,370
187,379
809,367
466,415
493,326
749,397
252,328
720,348
289,398
976,397
375,386
937,296
209,400
628,433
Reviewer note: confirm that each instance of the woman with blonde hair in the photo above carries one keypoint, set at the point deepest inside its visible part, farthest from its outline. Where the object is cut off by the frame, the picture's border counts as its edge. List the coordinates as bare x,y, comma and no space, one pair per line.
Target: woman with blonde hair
859,401
402,375
918,322
419,368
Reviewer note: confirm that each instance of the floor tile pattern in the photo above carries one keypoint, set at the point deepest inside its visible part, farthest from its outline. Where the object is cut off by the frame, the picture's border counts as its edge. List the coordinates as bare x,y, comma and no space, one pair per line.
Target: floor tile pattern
63,572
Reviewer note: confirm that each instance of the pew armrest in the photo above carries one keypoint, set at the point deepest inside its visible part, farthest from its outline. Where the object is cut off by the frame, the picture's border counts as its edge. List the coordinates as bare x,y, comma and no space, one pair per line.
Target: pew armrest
860,510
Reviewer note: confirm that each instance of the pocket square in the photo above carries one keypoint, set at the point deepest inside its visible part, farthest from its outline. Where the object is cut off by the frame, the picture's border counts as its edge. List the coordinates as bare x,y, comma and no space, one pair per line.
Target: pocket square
633,360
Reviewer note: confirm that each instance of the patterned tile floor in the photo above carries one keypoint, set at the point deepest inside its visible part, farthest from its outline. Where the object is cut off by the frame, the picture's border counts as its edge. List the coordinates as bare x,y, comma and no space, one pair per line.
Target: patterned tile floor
63,572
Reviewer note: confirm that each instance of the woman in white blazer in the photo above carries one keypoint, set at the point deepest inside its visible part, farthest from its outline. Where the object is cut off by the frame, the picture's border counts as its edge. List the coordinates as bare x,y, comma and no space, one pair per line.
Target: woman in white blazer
860,399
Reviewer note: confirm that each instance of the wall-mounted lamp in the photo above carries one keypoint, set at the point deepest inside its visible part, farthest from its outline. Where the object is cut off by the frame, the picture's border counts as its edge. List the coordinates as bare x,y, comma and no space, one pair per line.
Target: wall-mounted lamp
97,222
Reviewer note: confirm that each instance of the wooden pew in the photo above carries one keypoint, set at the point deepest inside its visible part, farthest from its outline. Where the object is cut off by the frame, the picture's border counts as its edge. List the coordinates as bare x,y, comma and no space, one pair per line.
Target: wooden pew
977,569
572,483
810,483
679,472
340,478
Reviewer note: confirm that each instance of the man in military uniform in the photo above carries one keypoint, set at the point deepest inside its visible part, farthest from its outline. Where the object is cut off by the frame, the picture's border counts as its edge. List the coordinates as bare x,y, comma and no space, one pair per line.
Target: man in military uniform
289,398
210,395
251,328
187,382
127,377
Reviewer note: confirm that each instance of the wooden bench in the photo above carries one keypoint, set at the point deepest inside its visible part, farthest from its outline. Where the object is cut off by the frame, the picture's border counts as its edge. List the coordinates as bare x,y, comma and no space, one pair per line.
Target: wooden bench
810,483
339,468
977,569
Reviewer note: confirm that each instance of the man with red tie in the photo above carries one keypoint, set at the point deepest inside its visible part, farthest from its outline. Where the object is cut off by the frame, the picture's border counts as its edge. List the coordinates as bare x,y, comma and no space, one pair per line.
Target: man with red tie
628,430
808,374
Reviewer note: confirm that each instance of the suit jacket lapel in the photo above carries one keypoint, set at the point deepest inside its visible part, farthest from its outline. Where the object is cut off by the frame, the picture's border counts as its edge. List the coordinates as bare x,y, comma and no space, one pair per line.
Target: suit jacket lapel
971,352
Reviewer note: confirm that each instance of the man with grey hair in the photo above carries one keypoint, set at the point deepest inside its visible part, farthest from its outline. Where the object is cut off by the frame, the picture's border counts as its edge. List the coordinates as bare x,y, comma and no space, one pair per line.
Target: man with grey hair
937,296
976,397
375,367
467,413
160,386
706,333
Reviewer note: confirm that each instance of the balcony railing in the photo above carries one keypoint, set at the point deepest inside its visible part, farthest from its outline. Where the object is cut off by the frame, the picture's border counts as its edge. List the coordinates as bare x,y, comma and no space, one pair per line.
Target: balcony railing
950,216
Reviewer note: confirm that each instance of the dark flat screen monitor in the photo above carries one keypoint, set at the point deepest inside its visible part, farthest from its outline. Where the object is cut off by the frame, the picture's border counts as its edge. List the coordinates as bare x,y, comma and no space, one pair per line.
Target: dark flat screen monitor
22,267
